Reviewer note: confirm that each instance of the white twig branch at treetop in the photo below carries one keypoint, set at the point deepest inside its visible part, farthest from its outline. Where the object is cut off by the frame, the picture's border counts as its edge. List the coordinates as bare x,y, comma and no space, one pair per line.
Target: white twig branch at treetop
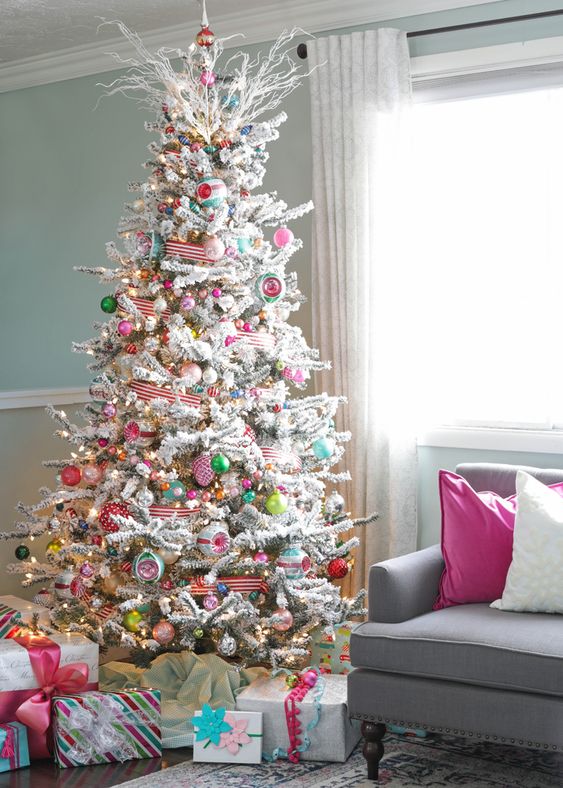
192,511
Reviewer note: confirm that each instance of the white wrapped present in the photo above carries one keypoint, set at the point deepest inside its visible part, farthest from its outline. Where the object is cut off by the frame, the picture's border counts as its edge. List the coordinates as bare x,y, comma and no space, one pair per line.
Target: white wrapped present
332,739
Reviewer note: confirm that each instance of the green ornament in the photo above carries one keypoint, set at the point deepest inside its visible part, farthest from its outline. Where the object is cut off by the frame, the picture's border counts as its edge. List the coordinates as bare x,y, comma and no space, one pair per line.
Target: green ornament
131,620
144,608
109,304
220,463
182,583
280,365
22,552
112,551
198,633
248,496
253,596
210,148
276,503
292,680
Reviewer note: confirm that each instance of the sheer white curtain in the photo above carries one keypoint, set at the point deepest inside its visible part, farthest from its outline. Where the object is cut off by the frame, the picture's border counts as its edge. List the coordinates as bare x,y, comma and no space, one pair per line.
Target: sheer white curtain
360,95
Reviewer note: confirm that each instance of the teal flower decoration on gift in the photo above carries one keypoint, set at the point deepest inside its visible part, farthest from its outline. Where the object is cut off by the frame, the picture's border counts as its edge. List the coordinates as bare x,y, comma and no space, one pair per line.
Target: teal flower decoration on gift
211,724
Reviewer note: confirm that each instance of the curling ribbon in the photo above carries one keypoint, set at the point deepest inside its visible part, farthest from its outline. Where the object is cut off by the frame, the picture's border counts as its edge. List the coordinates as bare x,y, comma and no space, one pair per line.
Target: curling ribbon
44,656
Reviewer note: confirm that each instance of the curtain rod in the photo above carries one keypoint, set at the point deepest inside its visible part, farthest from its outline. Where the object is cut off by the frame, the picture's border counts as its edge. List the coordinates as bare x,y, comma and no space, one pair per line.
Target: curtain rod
302,48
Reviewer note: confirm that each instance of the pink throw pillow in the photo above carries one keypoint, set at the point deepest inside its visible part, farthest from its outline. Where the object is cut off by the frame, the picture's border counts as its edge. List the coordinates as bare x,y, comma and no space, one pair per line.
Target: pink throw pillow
477,535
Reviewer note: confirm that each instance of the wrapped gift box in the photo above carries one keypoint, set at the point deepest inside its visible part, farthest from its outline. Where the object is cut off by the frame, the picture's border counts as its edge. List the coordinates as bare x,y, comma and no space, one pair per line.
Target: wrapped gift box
335,736
223,736
13,607
19,682
106,727
331,653
14,751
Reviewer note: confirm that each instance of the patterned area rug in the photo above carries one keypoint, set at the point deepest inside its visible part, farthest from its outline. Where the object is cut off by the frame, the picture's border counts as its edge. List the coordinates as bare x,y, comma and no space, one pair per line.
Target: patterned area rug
408,762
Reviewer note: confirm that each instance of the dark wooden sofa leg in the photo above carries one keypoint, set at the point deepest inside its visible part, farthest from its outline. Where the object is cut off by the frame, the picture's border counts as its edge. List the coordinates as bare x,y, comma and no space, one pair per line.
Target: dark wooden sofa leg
373,733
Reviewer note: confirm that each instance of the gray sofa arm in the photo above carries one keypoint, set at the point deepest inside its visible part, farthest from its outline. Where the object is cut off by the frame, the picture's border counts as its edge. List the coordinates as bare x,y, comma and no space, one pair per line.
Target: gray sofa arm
404,587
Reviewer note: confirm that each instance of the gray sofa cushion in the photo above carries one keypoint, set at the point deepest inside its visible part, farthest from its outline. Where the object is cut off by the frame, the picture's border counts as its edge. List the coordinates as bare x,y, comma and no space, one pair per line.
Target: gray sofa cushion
483,476
471,644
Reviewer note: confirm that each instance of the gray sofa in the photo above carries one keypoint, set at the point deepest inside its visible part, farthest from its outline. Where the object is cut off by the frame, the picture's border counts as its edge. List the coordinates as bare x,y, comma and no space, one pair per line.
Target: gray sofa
467,670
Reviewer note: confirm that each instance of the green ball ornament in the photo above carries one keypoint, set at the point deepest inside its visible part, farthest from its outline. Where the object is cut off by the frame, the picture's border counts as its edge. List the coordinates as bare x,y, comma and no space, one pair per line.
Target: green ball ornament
276,503
248,496
108,304
220,463
198,633
22,552
280,365
131,620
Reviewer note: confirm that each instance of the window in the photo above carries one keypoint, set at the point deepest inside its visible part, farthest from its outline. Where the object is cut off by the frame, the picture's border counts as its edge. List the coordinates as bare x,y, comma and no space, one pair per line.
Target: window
486,258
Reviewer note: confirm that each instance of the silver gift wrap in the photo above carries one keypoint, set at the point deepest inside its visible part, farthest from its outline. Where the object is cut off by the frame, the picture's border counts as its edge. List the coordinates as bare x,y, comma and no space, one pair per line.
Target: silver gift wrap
333,739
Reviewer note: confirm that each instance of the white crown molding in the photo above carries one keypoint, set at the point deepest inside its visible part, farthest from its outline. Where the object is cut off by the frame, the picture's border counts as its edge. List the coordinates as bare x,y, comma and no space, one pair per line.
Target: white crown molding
264,24
39,398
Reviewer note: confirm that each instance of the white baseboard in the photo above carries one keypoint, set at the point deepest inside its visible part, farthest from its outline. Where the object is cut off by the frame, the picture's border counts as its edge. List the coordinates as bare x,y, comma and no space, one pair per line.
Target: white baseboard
39,398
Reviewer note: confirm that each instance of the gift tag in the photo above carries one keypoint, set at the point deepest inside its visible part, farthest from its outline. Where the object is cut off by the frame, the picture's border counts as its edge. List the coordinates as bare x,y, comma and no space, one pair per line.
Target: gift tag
222,736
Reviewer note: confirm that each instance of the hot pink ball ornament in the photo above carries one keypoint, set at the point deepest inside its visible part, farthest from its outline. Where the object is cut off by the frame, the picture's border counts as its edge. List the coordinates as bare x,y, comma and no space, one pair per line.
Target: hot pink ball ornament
124,327
309,678
102,442
207,78
283,620
167,284
214,249
261,557
216,292
71,475
192,494
283,236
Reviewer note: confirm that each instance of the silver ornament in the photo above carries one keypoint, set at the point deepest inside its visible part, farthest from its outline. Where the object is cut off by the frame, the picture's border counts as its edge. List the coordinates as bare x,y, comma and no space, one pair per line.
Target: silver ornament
227,646
210,375
335,503
160,305
138,206
144,498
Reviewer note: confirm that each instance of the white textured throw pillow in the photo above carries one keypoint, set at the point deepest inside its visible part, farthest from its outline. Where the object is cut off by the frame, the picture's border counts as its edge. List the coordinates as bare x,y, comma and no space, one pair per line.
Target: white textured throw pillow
535,578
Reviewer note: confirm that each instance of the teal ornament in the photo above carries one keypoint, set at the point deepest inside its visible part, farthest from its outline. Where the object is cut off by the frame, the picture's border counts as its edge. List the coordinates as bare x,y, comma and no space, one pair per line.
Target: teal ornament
248,496
22,552
211,192
270,288
294,561
182,582
253,596
195,207
220,463
244,244
148,567
230,102
176,491
111,551
108,304
144,608
210,724
323,448
210,148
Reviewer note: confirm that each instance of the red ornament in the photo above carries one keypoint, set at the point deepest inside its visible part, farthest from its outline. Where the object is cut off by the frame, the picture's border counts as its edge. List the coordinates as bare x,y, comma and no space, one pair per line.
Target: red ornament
107,511
169,130
205,37
131,432
165,336
213,391
71,475
97,540
131,349
126,566
337,568
277,407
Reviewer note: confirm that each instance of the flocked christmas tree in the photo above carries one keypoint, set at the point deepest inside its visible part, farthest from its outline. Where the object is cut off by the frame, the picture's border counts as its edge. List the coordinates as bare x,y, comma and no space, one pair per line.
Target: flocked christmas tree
192,513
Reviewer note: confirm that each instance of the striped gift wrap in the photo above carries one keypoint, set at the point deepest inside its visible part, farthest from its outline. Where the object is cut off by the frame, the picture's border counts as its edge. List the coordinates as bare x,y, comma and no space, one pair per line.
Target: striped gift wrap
7,626
85,722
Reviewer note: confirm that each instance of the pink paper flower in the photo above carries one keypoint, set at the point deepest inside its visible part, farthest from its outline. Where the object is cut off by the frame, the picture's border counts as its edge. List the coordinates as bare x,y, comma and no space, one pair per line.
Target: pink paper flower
237,736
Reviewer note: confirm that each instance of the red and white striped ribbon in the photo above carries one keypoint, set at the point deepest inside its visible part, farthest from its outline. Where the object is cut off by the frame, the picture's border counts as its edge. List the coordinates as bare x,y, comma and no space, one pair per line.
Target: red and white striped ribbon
166,512
282,457
259,339
243,585
149,391
186,250
146,307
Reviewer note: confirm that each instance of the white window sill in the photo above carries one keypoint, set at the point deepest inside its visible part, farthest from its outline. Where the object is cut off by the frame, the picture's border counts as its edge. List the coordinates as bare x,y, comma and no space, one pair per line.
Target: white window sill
494,439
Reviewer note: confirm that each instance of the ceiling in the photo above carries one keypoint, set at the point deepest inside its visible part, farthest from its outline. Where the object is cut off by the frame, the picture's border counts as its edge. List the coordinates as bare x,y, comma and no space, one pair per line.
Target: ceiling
49,40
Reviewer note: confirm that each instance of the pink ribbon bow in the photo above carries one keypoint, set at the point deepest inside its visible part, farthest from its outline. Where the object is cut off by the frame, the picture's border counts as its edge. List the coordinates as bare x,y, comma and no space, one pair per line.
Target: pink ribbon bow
45,656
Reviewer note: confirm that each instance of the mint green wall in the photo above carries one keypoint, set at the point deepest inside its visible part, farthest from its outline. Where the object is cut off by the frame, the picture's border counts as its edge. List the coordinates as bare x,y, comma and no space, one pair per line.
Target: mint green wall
65,169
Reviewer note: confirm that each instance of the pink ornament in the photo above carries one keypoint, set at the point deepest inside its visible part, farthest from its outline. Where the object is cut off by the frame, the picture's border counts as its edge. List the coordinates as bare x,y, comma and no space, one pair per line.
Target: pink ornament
309,678
124,327
87,570
109,410
112,450
233,492
202,471
71,475
163,632
167,284
247,327
210,601
239,323
102,442
167,584
154,476
192,494
298,376
282,620
192,371
133,459
214,249
161,207
92,474
231,252
131,432
283,236
216,292
247,484
195,146
203,294
187,302
260,557
206,496
207,78
257,475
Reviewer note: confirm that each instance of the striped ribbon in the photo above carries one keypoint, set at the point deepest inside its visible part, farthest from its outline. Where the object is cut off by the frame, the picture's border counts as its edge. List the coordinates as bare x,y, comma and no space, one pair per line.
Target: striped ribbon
146,307
259,339
167,512
186,250
281,457
105,612
150,391
7,628
242,584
